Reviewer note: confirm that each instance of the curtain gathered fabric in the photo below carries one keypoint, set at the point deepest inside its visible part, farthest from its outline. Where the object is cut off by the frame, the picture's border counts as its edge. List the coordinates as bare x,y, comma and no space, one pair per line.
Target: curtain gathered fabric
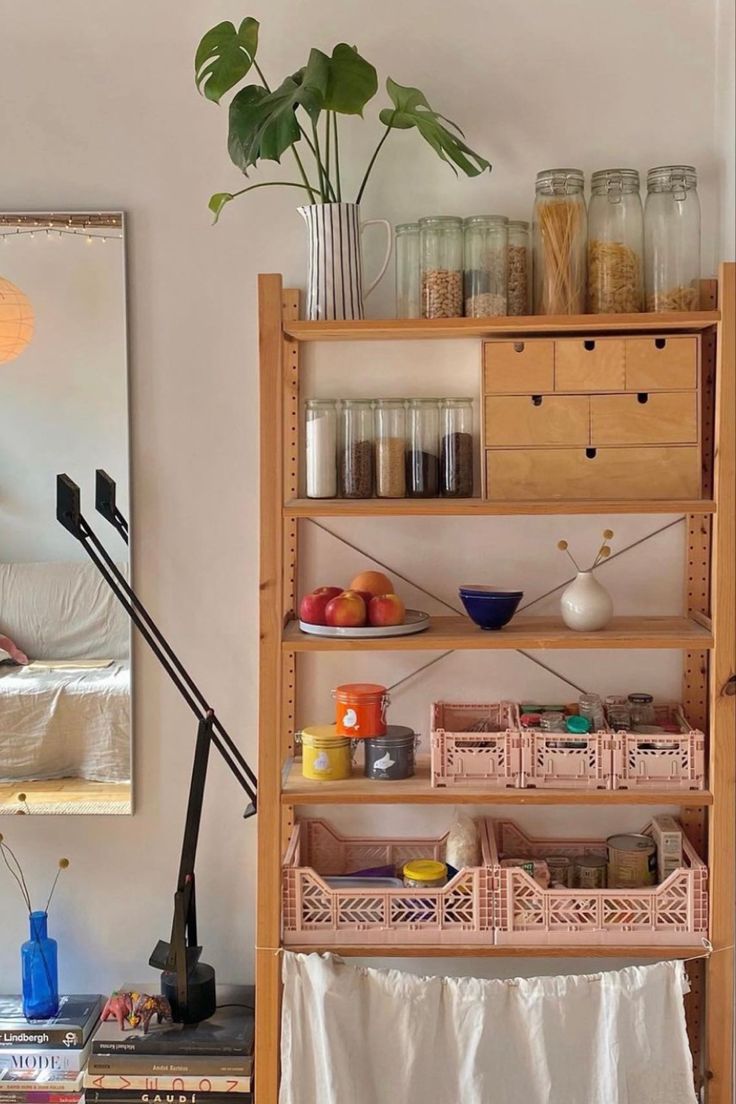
352,1035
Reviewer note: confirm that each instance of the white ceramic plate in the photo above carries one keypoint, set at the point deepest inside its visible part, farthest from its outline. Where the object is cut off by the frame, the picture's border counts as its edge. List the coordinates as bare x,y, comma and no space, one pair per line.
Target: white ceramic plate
415,622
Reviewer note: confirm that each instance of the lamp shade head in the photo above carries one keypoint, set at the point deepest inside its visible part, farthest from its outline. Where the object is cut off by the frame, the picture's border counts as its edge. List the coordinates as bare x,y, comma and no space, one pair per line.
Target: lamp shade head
16,321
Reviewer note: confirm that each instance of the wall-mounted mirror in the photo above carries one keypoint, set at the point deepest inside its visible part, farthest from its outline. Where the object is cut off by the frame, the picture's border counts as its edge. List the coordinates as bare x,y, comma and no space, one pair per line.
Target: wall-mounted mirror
65,670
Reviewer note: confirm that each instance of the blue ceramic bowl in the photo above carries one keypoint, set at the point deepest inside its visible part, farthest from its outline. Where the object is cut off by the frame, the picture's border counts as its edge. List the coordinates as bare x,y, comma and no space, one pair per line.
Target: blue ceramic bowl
490,609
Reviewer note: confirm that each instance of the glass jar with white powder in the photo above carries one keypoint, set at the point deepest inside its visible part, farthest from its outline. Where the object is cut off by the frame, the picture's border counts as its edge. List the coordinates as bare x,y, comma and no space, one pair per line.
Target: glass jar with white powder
321,434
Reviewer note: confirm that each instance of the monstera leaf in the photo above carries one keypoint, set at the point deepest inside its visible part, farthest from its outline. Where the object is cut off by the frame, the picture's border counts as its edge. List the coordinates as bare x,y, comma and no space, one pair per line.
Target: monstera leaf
263,125
351,81
224,56
411,109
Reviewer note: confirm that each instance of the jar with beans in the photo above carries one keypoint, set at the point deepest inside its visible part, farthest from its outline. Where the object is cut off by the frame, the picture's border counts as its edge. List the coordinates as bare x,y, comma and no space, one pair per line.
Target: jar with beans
441,249
356,449
486,265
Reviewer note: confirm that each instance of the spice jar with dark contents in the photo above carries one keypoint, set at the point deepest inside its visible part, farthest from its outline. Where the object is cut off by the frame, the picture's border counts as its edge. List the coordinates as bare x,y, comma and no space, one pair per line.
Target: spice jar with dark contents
456,448
356,449
441,246
390,430
422,454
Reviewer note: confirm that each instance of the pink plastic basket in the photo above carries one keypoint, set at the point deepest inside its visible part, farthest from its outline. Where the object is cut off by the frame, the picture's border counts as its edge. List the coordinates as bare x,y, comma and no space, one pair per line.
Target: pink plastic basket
547,763
677,761
315,913
674,913
462,758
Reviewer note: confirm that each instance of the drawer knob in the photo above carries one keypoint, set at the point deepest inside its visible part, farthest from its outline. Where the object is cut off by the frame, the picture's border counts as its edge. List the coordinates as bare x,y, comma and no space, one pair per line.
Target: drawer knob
589,345
642,397
519,346
537,400
660,342
591,453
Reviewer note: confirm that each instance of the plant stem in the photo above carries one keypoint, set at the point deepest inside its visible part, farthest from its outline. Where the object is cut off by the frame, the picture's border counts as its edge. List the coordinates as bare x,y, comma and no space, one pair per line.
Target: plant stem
18,875
338,185
327,150
320,167
53,887
259,71
373,161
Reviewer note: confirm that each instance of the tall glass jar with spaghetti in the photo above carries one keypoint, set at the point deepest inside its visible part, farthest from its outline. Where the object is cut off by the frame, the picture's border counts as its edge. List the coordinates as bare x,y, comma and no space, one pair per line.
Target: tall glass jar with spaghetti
560,231
615,243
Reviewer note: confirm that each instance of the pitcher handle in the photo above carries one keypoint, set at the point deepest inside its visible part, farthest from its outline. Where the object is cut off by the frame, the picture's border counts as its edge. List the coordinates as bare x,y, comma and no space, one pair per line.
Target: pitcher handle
387,258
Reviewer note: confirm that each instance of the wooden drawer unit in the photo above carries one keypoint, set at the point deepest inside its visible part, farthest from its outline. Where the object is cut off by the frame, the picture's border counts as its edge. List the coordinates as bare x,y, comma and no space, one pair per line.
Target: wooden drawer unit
590,364
516,421
514,366
624,473
662,363
647,418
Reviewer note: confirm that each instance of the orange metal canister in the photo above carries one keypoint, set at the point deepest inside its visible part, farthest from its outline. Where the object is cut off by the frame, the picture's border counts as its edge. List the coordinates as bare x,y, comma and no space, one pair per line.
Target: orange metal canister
360,709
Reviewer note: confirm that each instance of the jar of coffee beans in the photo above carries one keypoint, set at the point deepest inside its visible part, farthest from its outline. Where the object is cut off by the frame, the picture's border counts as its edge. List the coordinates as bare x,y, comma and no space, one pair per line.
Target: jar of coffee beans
486,265
441,248
422,453
456,448
356,448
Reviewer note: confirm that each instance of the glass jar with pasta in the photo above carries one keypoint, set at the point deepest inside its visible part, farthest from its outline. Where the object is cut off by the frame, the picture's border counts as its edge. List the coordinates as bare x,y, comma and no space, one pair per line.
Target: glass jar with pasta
615,243
560,235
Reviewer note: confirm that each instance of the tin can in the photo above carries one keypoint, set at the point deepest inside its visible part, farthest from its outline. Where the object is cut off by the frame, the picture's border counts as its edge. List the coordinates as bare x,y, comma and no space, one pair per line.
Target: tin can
590,872
632,861
360,709
560,870
391,757
326,757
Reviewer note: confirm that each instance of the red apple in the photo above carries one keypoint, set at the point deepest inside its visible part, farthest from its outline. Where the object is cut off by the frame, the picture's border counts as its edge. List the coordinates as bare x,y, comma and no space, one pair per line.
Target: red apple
388,609
347,610
365,595
312,606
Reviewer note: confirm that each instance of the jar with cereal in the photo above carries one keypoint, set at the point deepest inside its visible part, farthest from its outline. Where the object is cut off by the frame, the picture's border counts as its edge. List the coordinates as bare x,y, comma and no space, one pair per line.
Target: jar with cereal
390,430
672,238
519,268
486,265
441,250
615,243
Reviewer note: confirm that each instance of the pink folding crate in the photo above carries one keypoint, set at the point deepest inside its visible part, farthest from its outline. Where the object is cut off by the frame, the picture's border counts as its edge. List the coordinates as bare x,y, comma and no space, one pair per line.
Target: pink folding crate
462,756
315,913
674,913
663,760
550,761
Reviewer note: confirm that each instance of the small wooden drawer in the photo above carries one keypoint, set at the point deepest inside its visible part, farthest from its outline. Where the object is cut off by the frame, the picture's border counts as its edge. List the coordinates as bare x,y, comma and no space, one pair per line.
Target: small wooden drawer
513,366
620,473
537,420
646,418
590,364
661,363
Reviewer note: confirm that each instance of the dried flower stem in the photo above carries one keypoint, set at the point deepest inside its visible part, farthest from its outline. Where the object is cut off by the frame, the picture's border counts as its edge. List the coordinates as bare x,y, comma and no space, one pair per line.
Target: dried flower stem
17,872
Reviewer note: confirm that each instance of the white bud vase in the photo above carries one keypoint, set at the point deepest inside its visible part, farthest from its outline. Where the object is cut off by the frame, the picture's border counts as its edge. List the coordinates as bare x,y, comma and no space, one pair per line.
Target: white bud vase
586,605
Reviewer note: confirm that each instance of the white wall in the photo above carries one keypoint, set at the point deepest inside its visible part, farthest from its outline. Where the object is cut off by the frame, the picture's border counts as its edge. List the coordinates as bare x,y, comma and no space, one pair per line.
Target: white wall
64,400
533,84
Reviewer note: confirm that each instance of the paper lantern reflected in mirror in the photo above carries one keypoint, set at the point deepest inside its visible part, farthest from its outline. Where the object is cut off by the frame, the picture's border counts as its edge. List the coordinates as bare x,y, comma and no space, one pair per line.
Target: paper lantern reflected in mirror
16,321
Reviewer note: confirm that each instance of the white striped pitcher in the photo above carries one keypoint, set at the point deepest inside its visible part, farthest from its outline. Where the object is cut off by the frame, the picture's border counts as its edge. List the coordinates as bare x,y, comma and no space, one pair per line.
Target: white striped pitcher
335,286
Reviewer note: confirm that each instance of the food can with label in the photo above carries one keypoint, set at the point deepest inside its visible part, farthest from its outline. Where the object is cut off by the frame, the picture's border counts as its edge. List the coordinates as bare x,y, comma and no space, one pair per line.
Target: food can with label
632,861
590,872
560,870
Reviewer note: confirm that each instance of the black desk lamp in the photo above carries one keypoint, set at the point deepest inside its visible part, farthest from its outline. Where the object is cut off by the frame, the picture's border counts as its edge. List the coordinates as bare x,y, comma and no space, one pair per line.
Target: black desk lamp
188,983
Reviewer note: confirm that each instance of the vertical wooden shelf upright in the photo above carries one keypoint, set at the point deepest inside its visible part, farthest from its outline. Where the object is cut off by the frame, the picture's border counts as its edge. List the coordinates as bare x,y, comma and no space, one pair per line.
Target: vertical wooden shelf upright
709,676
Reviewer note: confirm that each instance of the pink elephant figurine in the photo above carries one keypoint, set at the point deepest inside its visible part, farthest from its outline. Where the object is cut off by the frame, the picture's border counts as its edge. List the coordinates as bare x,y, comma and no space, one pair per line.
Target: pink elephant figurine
118,1007
147,1006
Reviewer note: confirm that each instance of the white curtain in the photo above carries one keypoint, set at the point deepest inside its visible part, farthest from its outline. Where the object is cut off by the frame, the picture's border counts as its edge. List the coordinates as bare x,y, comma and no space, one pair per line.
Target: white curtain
360,1036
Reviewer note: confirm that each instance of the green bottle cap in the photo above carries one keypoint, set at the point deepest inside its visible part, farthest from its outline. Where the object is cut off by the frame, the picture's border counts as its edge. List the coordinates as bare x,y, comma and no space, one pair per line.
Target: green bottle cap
577,724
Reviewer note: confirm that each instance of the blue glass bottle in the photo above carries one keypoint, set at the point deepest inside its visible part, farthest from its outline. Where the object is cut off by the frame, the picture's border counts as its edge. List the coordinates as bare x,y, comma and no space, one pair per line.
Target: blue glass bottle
40,971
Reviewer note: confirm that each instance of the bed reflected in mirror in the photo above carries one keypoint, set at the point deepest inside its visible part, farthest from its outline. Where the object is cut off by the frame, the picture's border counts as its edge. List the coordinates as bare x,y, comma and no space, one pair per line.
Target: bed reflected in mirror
65,656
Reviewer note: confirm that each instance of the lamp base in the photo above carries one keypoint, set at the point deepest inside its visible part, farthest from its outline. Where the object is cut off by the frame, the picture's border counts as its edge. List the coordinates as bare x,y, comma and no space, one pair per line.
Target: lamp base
202,997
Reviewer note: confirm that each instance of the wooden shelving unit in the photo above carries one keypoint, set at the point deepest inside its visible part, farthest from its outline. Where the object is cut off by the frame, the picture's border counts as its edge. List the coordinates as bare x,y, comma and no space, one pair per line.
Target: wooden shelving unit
706,635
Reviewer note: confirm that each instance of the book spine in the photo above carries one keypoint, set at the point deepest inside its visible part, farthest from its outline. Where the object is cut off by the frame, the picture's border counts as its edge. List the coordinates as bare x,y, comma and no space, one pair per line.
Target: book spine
47,1037
69,1085
111,1096
65,1061
151,1049
31,1097
170,1066
167,1084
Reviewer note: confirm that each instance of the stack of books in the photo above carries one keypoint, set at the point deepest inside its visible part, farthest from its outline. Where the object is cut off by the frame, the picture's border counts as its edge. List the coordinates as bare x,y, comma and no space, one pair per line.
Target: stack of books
206,1063
41,1061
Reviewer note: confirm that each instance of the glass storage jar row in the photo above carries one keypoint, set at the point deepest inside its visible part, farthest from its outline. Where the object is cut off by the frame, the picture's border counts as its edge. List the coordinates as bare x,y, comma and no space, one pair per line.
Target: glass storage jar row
393,448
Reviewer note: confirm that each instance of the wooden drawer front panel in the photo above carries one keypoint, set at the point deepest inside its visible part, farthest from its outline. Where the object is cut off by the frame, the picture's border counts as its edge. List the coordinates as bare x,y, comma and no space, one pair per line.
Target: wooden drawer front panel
593,364
633,473
645,419
661,363
526,420
514,366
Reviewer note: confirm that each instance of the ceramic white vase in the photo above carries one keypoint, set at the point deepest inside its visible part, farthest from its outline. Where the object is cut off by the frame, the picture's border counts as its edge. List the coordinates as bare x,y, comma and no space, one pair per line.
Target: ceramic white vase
586,605
335,283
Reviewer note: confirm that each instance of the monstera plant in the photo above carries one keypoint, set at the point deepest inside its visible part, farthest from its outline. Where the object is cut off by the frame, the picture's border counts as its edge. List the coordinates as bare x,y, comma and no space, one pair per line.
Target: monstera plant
300,116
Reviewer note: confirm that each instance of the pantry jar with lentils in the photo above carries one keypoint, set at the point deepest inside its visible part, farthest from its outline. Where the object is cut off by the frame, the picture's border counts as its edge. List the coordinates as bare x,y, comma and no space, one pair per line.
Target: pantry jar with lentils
390,435
615,243
672,237
519,269
441,249
356,448
486,265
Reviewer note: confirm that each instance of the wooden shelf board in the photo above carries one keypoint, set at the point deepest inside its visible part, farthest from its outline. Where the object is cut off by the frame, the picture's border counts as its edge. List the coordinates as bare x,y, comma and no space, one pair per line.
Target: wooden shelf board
417,328
451,950
477,507
460,633
418,790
